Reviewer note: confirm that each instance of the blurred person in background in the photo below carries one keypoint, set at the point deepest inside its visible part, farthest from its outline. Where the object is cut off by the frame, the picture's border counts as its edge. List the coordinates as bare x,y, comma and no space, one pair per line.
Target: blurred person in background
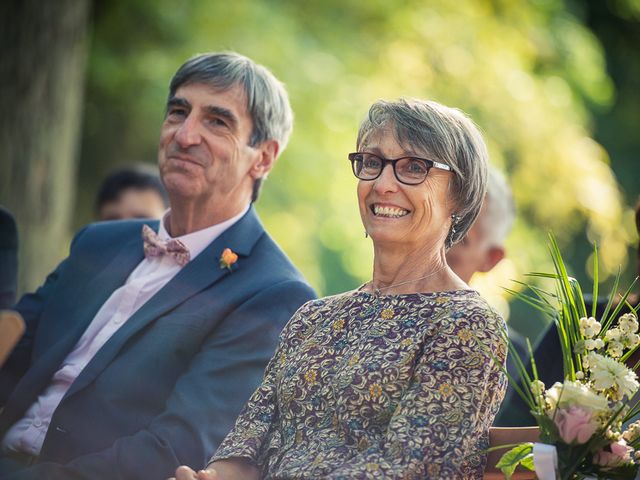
387,381
143,345
8,258
483,247
131,192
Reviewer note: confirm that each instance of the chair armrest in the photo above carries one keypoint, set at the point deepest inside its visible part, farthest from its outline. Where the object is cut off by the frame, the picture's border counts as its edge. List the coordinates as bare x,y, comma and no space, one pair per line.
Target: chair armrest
506,436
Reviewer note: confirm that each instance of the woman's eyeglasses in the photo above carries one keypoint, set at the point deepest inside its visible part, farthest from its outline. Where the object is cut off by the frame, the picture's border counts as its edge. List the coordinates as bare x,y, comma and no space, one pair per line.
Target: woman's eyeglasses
408,170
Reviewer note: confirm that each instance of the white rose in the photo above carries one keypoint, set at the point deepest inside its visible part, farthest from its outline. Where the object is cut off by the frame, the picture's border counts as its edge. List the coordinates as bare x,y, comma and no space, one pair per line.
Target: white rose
575,393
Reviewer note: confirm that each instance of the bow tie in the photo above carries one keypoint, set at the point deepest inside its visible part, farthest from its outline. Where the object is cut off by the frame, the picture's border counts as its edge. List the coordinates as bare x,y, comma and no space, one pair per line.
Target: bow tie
154,246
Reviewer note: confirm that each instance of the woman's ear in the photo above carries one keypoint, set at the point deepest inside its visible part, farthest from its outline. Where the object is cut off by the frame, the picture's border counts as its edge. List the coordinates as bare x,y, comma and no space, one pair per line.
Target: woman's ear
267,154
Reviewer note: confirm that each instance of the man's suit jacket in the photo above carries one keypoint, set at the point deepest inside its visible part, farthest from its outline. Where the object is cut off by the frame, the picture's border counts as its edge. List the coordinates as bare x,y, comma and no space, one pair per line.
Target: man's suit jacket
167,386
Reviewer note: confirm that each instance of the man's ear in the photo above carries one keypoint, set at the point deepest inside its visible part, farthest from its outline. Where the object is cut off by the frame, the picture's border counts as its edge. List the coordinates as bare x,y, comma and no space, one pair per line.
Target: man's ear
267,154
491,259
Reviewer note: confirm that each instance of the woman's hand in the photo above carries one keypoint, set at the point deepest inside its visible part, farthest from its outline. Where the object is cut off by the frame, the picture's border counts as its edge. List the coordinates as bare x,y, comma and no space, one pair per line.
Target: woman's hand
230,469
185,473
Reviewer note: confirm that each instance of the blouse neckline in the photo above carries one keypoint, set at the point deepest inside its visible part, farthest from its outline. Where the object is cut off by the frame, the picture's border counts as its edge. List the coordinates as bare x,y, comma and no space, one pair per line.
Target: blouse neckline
448,293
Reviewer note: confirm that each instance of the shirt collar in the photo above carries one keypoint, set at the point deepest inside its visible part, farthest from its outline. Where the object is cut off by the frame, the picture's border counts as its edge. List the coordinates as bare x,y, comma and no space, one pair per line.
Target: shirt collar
197,241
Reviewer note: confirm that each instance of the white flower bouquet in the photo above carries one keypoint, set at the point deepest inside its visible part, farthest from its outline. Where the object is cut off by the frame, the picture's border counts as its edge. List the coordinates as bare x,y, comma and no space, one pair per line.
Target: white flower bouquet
584,422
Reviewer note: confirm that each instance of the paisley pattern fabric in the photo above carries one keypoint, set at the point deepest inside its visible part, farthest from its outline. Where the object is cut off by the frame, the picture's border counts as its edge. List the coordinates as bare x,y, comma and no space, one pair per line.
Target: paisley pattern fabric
360,386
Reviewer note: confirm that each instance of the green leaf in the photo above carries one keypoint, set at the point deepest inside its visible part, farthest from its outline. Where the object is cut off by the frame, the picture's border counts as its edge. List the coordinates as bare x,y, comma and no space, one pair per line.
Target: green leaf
594,307
527,462
520,455
606,320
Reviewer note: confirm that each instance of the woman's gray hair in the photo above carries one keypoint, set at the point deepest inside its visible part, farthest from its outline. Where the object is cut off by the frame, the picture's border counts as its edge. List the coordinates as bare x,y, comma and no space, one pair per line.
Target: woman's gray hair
267,99
443,134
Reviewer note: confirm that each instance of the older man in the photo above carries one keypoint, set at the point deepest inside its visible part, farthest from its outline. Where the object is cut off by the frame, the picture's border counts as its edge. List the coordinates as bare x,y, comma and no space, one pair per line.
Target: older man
483,248
143,345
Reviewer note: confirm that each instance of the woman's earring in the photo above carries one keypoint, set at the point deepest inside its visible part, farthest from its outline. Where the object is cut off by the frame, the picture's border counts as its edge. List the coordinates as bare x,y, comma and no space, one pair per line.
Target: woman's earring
454,221
366,234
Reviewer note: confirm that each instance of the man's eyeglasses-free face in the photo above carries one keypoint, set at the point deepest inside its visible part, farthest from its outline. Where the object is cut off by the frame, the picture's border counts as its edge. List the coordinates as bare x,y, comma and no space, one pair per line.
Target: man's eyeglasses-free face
408,170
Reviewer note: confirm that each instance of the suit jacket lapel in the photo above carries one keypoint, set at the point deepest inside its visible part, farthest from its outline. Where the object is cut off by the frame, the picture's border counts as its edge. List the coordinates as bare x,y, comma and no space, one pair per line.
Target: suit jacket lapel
102,286
198,274
89,300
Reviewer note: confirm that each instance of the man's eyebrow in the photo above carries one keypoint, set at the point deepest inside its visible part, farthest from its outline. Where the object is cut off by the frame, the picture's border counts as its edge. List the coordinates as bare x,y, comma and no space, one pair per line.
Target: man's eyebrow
210,109
177,102
222,112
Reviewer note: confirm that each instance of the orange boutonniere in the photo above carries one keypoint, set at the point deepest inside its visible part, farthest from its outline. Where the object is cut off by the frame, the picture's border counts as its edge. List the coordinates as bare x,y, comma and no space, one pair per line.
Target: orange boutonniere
228,258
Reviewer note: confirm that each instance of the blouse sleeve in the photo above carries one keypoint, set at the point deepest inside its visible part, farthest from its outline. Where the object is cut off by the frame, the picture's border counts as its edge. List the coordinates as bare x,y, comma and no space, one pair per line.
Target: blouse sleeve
442,422
254,427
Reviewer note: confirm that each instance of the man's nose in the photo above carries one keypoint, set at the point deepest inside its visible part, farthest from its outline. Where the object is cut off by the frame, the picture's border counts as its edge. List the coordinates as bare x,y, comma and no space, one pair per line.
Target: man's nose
387,181
188,133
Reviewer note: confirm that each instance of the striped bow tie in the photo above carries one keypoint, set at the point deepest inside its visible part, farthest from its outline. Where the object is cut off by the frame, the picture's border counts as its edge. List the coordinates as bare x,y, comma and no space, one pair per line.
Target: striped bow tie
154,246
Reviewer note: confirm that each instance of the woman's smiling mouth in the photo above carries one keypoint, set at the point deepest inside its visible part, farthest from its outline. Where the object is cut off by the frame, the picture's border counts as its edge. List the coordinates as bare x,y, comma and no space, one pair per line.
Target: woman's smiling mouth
388,211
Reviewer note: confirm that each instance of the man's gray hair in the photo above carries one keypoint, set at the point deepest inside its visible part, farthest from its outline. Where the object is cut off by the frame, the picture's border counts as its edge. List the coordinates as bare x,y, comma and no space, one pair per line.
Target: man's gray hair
500,209
267,100
446,135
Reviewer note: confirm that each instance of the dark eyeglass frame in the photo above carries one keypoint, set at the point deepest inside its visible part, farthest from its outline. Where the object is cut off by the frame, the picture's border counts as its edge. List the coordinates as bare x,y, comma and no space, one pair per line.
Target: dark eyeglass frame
393,161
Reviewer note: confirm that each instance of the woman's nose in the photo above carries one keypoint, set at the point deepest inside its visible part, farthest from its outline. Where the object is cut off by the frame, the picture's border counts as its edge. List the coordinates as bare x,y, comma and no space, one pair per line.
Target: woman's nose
387,181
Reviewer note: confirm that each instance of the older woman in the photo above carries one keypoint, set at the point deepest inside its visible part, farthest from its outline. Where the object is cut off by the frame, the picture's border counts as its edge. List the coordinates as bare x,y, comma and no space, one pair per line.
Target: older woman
389,380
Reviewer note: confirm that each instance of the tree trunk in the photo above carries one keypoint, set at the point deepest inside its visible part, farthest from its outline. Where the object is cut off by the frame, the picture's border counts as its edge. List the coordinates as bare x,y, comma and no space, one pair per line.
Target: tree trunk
43,50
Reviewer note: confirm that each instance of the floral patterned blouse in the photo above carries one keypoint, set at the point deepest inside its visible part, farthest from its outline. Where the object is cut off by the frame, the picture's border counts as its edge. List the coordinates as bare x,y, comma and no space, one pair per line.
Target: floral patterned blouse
360,386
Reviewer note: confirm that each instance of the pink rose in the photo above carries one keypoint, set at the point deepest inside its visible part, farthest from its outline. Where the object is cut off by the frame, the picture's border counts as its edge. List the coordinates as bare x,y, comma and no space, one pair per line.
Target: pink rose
622,450
620,454
575,424
606,459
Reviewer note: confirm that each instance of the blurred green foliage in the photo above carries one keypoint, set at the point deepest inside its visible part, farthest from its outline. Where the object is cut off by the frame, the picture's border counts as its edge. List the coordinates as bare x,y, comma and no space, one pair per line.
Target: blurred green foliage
529,73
